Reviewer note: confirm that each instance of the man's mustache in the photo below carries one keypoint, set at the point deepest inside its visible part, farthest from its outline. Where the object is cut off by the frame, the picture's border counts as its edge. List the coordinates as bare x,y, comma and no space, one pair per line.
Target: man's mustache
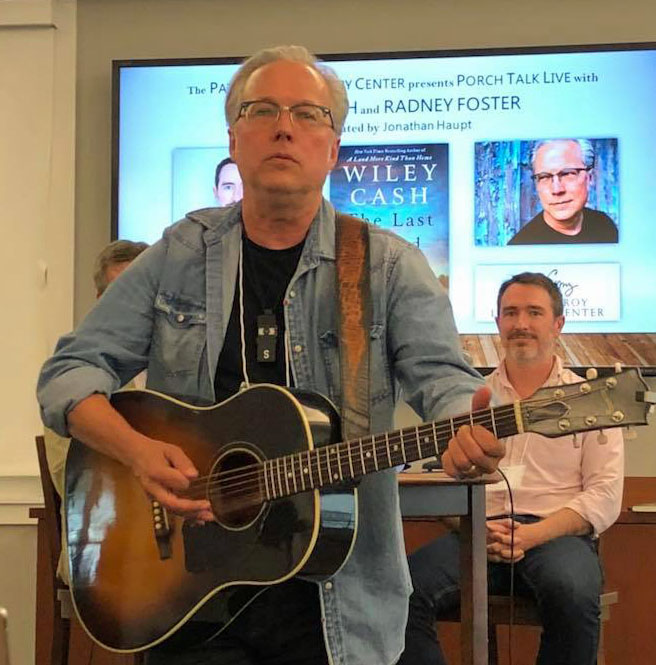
521,335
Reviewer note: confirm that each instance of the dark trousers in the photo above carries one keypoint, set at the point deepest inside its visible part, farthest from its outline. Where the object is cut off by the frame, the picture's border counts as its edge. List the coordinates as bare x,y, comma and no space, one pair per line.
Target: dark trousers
563,576
282,626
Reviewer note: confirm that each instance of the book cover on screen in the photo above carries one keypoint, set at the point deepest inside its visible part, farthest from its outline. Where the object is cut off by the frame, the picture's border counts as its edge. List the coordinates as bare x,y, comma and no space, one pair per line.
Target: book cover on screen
402,188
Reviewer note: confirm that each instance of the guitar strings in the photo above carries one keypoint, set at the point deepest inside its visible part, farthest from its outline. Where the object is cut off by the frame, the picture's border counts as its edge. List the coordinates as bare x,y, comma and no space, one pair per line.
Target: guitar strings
247,474
255,472
247,479
393,439
253,478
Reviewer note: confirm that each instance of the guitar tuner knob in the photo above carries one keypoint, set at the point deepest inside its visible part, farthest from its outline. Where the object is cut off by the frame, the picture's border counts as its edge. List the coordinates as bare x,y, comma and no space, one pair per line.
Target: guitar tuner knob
564,425
590,420
611,382
591,373
618,368
617,417
585,388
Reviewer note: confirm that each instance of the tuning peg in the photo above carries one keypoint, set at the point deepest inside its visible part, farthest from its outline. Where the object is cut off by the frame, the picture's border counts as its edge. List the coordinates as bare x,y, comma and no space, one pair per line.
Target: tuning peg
602,438
575,441
591,373
630,433
618,368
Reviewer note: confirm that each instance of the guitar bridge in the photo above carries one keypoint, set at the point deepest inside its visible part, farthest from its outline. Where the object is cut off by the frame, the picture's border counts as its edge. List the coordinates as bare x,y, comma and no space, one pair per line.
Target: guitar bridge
161,529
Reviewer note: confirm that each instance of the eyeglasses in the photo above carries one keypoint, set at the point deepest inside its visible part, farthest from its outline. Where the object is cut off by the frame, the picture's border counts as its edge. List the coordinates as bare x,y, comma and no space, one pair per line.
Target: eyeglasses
305,116
565,176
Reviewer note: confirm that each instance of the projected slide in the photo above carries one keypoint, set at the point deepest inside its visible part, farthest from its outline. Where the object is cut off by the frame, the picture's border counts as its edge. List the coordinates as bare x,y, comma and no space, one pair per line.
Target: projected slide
490,164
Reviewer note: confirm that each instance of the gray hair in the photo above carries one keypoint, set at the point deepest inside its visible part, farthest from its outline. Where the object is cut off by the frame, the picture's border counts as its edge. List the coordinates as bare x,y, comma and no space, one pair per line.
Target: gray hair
585,145
293,54
119,251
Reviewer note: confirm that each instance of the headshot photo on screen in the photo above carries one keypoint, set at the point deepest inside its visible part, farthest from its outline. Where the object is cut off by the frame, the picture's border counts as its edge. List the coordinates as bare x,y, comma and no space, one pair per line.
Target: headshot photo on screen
545,192
227,183
202,178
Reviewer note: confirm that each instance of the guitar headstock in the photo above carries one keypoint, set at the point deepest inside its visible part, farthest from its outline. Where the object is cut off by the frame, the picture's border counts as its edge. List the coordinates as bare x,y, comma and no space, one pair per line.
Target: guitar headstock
613,401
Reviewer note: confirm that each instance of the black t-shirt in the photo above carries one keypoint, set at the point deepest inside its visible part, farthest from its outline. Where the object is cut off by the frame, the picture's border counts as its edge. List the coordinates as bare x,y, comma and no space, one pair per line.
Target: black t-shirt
597,227
266,275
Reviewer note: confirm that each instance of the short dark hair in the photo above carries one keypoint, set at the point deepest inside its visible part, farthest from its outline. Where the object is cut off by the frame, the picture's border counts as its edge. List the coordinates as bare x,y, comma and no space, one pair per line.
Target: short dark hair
219,166
535,279
119,251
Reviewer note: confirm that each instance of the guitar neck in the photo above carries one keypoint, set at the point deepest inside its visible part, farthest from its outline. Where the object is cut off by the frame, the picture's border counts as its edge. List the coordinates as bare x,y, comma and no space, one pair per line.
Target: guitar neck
337,463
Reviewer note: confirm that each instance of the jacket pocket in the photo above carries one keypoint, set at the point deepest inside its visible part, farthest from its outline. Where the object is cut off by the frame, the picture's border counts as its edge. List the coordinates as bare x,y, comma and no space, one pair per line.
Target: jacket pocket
180,333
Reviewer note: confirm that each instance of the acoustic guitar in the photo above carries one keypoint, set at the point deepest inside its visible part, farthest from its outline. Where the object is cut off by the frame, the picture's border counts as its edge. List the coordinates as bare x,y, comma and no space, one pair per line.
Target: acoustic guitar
282,488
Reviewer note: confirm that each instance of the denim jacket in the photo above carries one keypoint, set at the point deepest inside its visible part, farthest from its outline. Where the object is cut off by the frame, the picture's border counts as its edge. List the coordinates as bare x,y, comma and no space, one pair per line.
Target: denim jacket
168,312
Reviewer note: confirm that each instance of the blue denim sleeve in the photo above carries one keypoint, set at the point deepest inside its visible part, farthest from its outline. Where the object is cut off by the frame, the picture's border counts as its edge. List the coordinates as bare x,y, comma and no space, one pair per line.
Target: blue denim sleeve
108,348
437,382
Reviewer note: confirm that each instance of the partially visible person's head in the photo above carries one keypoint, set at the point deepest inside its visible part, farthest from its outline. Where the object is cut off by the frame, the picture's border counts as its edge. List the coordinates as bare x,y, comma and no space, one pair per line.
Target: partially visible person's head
561,172
113,260
299,54
227,183
529,317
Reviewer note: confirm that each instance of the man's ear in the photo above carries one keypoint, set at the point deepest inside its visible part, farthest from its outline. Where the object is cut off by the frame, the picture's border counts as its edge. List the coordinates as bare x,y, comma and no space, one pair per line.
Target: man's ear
334,152
560,322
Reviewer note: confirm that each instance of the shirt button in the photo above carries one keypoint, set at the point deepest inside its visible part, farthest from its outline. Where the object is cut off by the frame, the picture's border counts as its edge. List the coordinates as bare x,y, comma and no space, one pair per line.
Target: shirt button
328,586
292,294
180,318
297,348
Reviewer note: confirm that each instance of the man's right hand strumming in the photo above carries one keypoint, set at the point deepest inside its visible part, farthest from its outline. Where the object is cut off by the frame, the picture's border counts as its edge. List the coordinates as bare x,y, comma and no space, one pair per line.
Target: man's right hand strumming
163,469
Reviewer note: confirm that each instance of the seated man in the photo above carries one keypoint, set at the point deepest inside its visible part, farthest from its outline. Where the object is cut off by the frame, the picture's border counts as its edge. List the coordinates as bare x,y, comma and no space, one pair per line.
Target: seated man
565,492
109,264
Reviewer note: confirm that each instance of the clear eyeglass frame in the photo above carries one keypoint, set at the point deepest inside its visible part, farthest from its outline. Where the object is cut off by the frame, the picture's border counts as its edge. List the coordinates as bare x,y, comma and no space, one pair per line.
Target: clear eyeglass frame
564,175
305,115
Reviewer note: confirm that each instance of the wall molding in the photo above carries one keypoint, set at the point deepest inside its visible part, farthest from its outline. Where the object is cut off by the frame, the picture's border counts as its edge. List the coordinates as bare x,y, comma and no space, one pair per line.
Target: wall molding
26,13
17,495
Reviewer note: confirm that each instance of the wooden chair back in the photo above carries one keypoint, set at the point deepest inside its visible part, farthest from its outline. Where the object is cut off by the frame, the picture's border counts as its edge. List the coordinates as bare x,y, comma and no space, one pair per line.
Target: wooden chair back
59,597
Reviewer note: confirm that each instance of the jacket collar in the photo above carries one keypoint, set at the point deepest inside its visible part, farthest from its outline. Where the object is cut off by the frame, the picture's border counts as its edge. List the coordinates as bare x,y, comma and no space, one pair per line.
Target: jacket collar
320,242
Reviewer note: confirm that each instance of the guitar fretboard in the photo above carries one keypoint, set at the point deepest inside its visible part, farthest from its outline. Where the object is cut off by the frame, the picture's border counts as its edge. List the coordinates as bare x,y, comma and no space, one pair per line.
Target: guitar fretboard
337,463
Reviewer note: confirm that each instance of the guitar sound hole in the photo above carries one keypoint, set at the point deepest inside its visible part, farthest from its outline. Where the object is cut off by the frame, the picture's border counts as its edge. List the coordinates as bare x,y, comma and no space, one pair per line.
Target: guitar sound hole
234,489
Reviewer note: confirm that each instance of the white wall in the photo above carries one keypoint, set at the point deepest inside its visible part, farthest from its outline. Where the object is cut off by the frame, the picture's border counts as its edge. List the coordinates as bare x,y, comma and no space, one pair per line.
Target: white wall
37,84
37,146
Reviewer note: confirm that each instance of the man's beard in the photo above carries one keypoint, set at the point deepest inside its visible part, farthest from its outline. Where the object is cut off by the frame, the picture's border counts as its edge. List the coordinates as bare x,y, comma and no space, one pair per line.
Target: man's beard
524,353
